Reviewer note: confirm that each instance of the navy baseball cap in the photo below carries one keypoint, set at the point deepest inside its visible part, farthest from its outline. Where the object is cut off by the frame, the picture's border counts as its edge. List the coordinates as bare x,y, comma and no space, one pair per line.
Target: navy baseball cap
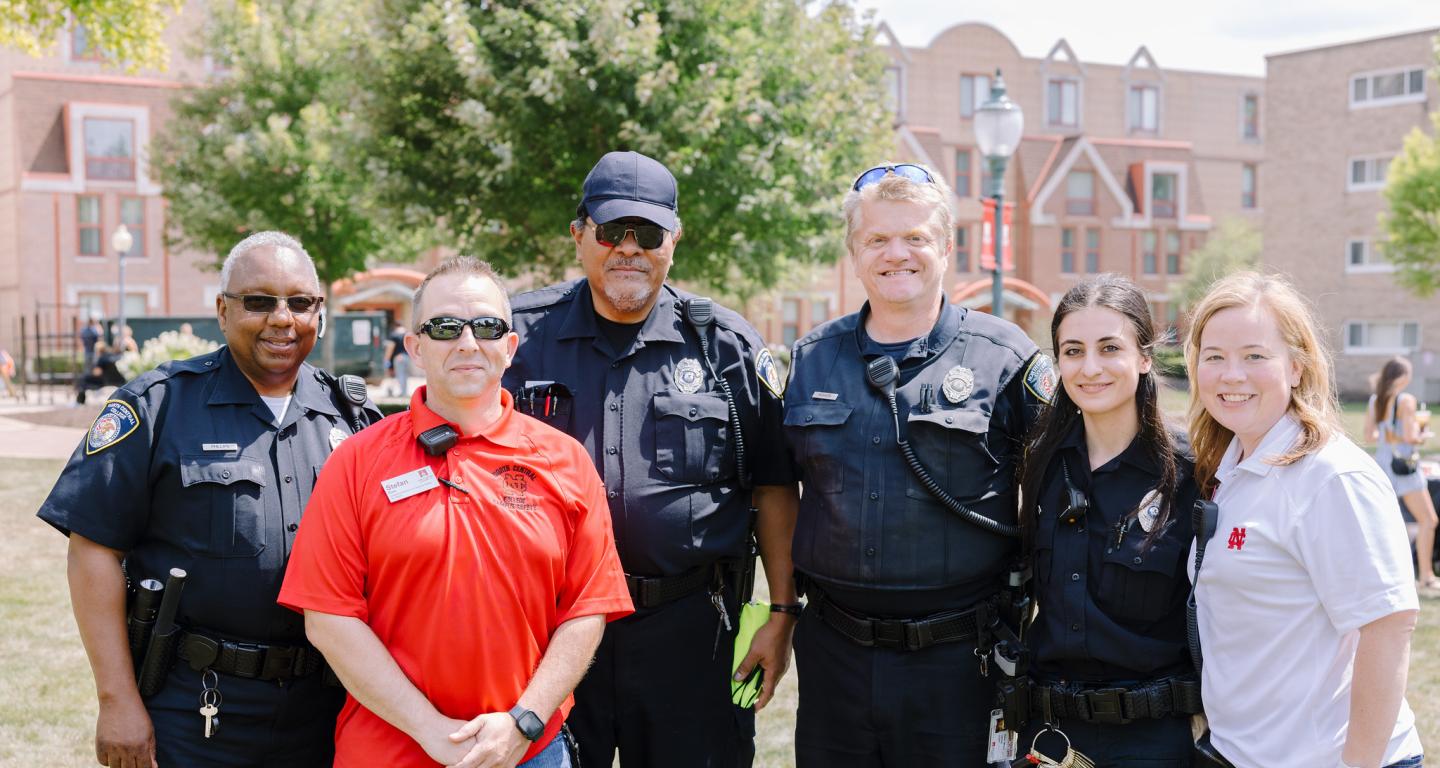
625,184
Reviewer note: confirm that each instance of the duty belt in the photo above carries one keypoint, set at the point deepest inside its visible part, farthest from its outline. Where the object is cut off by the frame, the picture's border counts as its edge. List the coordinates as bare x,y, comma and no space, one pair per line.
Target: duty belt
900,634
1117,706
649,592
256,661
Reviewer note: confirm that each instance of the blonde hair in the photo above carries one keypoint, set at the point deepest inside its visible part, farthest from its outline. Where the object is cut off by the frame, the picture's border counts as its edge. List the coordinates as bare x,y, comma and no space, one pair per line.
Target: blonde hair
1313,403
897,188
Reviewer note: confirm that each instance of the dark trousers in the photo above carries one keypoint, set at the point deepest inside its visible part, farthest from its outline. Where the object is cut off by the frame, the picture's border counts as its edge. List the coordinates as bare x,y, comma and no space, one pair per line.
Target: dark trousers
659,691
1160,743
262,724
878,707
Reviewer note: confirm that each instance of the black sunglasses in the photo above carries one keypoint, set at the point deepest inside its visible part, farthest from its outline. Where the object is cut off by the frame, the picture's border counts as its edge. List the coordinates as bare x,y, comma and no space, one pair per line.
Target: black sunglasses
904,170
647,236
264,303
450,328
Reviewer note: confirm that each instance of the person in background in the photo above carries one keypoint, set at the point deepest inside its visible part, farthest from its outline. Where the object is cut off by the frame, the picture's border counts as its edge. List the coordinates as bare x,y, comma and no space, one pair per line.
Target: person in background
1390,421
398,360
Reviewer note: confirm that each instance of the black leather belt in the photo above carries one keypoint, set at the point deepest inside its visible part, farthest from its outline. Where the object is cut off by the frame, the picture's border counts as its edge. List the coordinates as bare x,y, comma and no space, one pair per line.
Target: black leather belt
256,661
900,634
1116,706
649,592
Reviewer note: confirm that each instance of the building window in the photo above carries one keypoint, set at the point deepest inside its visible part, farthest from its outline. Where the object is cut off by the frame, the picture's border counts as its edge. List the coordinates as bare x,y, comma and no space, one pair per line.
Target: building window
1367,173
81,49
1391,86
136,305
1172,252
132,215
1092,251
962,249
1162,195
1062,103
1250,117
1247,186
91,304
1362,256
819,311
1148,262
109,149
790,321
1144,109
963,159
1385,338
974,91
87,219
1067,250
893,89
1080,193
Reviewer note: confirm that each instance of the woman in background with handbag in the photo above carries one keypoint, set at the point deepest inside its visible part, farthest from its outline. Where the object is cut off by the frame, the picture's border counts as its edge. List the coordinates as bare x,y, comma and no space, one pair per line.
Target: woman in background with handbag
1390,421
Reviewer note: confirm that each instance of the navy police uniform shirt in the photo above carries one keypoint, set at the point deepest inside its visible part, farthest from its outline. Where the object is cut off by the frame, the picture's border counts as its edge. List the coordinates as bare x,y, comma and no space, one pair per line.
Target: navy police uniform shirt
1111,608
654,419
868,532
185,467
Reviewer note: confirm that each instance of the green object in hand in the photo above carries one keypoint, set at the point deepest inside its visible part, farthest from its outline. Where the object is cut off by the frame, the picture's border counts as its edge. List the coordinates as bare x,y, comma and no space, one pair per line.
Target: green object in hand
752,617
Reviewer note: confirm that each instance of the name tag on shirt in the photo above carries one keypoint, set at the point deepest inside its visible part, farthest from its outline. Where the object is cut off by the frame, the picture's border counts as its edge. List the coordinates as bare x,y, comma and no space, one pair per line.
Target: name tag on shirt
407,485
824,395
219,447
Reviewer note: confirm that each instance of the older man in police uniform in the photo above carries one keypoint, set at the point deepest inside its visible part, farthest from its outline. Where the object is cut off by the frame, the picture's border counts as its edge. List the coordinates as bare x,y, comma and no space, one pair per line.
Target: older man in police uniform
886,648
678,402
206,465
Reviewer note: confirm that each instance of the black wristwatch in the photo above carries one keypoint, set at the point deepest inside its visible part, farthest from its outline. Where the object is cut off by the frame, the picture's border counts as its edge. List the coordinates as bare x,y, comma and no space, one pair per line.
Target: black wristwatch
529,723
793,609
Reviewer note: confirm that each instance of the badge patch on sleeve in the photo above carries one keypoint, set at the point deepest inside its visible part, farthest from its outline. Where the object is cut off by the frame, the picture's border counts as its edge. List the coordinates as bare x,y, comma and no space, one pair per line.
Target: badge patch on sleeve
1041,378
115,423
769,373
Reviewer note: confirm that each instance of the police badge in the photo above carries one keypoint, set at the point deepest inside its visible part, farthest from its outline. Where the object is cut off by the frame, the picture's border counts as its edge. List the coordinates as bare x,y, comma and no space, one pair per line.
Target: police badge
959,383
1149,511
688,376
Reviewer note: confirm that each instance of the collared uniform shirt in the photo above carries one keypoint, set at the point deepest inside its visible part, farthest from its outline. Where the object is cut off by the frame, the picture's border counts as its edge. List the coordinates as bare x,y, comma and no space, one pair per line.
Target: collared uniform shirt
868,532
187,468
1303,556
654,419
1111,608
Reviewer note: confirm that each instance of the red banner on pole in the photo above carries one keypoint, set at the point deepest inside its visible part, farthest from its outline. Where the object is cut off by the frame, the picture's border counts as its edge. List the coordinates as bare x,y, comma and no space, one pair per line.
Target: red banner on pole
987,240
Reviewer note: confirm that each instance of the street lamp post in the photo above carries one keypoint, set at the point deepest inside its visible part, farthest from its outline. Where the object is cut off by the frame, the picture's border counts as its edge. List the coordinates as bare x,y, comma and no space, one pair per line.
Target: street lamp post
998,125
121,241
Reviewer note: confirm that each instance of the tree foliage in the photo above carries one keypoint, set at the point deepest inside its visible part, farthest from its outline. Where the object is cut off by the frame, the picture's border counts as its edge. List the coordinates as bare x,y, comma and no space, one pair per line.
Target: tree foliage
124,32
271,145
1233,245
1412,223
484,118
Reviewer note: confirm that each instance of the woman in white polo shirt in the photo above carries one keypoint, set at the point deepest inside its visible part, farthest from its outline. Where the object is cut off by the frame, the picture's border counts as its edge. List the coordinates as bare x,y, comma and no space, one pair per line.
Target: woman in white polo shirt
1306,596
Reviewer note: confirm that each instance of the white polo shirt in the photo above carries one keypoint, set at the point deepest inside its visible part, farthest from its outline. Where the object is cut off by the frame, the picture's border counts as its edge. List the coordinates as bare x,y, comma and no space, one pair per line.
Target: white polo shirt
1303,556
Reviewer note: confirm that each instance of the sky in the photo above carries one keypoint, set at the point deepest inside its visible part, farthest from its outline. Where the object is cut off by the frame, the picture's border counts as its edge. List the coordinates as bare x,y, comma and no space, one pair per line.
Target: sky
1231,36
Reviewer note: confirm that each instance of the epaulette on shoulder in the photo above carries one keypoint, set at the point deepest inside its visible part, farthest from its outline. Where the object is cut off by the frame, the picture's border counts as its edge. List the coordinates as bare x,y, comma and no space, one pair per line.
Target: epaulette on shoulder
200,364
829,329
1001,332
542,298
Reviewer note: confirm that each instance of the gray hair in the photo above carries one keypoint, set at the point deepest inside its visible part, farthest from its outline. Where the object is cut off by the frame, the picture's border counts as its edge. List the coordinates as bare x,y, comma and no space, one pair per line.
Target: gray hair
936,194
464,266
268,239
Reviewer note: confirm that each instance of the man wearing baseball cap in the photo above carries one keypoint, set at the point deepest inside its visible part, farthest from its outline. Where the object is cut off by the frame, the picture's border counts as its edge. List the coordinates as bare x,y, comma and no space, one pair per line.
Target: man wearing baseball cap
677,401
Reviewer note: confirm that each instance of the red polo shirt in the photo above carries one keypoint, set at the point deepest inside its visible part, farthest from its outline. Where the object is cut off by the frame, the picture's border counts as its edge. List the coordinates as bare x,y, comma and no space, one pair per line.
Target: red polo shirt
463,589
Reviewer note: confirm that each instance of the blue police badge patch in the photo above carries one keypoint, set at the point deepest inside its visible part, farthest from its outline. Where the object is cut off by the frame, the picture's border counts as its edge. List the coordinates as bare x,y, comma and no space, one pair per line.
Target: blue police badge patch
1041,378
769,373
115,423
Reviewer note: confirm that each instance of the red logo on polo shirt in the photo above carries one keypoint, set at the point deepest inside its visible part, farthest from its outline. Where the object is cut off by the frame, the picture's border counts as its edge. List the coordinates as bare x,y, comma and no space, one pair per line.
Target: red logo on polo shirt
1237,538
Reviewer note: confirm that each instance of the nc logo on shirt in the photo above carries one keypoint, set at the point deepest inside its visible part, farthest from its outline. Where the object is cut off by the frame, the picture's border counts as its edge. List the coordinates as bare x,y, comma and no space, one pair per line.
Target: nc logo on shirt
1237,539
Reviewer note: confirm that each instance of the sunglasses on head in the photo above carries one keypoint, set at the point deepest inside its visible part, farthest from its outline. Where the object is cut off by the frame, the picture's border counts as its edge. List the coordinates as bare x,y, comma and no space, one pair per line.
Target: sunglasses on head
450,328
904,170
647,236
264,303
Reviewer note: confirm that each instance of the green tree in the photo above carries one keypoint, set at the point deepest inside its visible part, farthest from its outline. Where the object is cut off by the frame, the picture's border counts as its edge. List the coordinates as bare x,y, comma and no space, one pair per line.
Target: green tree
485,117
1233,245
125,32
1412,223
270,146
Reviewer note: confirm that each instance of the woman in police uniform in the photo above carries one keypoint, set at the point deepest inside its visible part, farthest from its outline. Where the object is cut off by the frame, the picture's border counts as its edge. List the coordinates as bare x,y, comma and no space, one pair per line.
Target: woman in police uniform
1107,517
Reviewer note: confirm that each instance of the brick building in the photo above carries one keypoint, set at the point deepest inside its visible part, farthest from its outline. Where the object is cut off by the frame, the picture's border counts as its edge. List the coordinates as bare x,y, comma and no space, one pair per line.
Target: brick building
1336,117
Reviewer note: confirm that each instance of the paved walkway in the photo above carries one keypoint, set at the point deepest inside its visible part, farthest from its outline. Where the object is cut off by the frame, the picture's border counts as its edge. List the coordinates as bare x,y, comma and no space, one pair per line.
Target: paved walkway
23,440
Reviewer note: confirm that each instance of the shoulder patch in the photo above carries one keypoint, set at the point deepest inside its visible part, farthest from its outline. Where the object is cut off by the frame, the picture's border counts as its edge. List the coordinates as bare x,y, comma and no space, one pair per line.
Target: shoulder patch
768,372
1041,378
117,420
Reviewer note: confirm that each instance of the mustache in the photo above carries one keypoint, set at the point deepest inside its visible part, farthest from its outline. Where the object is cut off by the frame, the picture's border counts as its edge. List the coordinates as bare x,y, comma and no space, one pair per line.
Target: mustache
624,263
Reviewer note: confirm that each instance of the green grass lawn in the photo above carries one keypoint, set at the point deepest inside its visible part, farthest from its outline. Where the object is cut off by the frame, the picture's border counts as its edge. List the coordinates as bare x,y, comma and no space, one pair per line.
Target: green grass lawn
48,713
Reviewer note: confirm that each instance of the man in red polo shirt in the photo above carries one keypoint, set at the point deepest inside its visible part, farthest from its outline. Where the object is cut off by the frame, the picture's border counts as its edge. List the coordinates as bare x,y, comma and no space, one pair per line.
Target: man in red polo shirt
456,564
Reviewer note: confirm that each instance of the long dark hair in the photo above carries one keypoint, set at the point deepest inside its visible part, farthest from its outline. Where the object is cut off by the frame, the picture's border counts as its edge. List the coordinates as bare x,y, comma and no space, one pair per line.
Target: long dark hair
1116,293
1385,390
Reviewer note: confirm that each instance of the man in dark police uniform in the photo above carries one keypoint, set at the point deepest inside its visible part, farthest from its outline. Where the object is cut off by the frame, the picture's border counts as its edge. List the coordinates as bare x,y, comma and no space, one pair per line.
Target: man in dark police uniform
886,648
678,402
206,465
